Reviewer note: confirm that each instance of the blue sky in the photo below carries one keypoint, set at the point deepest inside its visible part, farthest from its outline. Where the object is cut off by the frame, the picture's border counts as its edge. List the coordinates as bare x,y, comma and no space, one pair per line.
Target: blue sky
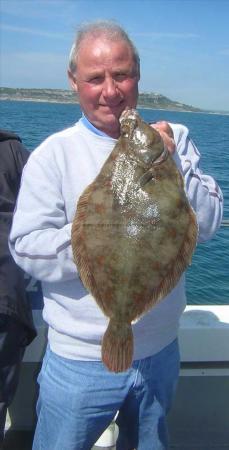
183,44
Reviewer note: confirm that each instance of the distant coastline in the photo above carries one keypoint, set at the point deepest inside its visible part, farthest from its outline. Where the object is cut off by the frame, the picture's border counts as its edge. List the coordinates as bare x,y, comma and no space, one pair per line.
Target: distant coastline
146,100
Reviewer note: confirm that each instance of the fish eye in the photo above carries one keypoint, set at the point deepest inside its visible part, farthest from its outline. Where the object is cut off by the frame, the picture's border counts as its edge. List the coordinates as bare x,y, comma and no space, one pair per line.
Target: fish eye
145,155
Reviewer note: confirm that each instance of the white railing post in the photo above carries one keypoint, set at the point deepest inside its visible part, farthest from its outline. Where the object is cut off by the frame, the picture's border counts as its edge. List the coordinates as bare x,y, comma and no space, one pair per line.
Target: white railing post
109,437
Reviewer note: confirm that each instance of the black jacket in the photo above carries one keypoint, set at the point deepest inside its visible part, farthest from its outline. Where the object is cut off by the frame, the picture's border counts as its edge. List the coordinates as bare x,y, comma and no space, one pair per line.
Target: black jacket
13,298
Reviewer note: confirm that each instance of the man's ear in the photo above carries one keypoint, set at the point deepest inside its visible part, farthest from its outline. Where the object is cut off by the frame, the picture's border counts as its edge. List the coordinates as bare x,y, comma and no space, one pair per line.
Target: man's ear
73,81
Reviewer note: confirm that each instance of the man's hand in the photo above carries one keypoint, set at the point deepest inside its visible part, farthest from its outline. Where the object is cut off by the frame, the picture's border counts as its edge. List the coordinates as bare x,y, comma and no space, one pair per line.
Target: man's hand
166,133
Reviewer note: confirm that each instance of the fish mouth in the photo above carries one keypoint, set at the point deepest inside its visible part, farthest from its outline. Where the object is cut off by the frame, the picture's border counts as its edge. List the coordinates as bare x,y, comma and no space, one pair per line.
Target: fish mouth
128,120
129,114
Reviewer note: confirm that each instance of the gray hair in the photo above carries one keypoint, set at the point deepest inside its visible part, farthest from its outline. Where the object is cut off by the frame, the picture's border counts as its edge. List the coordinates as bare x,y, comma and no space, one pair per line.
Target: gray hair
110,30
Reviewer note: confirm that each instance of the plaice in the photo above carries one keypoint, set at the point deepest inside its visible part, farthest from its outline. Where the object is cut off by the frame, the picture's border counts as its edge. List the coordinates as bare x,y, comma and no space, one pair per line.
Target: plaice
133,234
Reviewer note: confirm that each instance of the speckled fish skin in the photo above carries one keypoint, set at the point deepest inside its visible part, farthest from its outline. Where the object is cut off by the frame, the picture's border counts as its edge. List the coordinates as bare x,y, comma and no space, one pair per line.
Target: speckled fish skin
133,234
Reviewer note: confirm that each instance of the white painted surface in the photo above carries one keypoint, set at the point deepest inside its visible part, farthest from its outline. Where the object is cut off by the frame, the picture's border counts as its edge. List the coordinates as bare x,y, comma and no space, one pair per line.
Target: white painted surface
204,333
203,336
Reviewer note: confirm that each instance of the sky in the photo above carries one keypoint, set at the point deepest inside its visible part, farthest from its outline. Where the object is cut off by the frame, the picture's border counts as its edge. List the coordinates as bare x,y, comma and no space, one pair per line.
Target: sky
183,44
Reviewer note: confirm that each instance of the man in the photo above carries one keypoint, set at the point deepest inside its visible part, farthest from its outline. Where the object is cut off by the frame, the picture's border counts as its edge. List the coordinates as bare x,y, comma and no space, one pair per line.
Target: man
78,395
16,324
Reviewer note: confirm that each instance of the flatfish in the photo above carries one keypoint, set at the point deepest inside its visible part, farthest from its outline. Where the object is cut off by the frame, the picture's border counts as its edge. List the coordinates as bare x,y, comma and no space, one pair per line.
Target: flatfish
133,233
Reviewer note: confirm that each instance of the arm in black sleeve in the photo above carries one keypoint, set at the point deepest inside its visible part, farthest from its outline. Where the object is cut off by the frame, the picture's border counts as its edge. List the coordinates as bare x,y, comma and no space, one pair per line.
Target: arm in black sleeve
13,299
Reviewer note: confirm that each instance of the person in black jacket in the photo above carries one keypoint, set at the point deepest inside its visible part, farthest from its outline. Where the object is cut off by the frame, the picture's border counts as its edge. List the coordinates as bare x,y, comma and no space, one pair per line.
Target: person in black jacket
16,323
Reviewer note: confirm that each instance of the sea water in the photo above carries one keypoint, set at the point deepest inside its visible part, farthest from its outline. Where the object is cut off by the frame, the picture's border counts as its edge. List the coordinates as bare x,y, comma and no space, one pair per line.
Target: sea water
208,275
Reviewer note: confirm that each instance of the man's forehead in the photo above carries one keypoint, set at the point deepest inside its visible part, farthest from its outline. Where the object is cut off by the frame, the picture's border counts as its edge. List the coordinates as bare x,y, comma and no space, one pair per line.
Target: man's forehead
102,42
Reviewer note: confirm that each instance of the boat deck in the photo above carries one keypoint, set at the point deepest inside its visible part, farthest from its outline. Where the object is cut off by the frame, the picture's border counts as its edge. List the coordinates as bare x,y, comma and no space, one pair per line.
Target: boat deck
22,440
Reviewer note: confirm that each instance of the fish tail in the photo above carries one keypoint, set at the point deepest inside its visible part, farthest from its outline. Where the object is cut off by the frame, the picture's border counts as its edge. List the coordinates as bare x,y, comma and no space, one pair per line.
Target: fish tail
117,346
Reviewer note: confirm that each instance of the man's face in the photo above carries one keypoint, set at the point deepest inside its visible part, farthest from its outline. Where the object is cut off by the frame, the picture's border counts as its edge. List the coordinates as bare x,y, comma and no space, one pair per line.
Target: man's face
106,81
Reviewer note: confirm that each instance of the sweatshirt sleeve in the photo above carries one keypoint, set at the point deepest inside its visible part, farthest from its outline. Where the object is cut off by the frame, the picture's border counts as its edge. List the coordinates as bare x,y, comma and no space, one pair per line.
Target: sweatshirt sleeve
203,192
40,238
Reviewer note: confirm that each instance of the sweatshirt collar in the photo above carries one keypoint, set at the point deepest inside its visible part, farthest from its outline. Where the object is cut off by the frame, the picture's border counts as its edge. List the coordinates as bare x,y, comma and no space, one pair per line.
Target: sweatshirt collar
84,120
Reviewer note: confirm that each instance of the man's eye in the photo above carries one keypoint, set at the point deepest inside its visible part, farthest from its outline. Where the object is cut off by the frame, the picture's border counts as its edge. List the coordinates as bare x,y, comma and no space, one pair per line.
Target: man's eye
95,80
120,76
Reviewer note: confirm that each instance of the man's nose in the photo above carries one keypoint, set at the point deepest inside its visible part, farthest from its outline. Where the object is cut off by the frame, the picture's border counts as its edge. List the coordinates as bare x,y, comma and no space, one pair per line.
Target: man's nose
110,88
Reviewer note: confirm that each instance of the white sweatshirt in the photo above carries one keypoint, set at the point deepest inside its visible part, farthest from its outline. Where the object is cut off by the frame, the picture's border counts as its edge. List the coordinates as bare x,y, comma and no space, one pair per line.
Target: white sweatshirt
56,174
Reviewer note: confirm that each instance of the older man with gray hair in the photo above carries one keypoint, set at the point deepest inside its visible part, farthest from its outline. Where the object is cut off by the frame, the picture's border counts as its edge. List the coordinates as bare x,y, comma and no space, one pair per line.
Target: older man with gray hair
78,395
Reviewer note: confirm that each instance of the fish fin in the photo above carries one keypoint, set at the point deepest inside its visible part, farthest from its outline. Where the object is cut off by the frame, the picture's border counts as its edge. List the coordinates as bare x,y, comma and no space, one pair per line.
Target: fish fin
117,346
178,266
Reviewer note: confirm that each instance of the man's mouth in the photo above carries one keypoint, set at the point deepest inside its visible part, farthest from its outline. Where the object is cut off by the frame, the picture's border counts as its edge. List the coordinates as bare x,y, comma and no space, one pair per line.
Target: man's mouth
112,105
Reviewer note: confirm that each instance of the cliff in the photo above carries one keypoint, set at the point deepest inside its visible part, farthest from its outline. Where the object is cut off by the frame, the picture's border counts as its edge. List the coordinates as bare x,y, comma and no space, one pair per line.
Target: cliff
146,99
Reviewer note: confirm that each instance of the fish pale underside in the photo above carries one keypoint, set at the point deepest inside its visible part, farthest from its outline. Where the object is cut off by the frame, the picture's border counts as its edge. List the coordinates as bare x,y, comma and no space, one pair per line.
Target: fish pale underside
133,234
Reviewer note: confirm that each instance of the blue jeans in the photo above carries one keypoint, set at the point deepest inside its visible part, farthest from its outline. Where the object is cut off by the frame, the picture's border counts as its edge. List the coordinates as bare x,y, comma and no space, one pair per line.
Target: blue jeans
78,400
